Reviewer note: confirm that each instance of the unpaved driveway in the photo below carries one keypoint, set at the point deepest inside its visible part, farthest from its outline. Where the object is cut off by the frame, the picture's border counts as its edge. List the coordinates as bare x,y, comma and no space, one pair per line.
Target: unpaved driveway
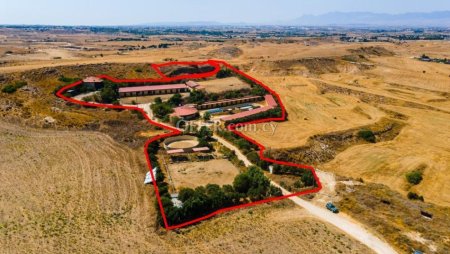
340,220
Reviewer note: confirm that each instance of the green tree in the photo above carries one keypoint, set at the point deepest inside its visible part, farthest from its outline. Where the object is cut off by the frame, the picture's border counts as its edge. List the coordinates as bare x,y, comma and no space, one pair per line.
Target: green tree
308,178
157,100
161,110
185,194
175,100
197,96
175,120
205,133
242,183
367,135
414,177
207,116
224,73
109,93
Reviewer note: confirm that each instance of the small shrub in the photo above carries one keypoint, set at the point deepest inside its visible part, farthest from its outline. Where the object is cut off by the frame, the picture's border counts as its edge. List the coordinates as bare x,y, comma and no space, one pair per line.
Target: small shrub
414,177
415,196
367,135
9,89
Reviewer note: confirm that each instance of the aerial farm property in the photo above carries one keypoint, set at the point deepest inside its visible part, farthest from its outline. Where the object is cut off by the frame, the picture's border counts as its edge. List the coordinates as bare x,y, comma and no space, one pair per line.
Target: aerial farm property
204,165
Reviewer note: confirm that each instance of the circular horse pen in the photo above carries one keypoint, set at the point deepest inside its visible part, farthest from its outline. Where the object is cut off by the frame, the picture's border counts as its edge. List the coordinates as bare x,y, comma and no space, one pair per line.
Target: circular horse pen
180,142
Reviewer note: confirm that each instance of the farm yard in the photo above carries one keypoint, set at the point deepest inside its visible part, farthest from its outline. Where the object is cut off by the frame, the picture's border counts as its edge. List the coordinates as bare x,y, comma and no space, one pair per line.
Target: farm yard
194,174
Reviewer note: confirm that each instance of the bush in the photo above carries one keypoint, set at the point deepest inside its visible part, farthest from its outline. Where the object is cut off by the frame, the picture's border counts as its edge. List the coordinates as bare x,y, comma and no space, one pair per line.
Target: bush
415,196
207,116
224,73
65,79
367,135
11,88
414,177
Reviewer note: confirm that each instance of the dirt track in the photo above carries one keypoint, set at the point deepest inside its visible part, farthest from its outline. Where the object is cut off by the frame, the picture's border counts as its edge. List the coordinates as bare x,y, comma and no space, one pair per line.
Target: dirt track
340,221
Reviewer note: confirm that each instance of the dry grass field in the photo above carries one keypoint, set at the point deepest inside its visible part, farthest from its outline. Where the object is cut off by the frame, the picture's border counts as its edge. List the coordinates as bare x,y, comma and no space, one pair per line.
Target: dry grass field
82,192
86,194
224,84
418,90
194,174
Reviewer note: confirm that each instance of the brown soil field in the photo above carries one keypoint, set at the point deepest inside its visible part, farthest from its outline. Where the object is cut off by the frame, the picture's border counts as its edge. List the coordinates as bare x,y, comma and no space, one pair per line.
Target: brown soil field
78,192
194,174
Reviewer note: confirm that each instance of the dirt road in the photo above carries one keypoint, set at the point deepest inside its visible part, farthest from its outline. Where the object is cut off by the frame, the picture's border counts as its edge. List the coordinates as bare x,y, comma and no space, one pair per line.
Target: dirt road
340,221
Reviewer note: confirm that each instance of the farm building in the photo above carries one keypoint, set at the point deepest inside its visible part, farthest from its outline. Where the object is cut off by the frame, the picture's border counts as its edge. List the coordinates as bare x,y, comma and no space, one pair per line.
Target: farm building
193,85
270,100
228,102
271,103
186,112
245,114
152,90
159,89
93,82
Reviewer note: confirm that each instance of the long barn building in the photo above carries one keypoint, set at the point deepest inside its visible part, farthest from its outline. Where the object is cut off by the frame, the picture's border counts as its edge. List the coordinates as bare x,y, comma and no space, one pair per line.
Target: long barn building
151,90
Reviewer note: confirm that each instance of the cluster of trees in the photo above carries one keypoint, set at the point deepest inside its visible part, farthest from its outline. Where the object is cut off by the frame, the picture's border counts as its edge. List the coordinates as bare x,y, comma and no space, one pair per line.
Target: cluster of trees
109,93
162,109
306,177
224,73
11,88
197,96
243,145
204,136
191,69
250,185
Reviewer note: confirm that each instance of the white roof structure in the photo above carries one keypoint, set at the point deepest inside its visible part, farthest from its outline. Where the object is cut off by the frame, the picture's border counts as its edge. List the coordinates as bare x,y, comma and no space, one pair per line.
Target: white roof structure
148,176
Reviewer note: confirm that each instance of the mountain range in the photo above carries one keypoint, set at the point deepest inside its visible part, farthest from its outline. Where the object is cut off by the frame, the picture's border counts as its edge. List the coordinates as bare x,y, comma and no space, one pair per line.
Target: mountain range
416,19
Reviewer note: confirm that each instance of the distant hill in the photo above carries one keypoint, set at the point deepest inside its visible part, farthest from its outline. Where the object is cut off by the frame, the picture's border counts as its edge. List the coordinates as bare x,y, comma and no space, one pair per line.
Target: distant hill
439,19
415,19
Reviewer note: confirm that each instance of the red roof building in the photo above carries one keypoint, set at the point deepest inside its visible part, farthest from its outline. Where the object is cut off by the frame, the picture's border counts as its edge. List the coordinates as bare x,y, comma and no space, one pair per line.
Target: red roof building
270,100
151,90
192,84
185,112
245,113
228,102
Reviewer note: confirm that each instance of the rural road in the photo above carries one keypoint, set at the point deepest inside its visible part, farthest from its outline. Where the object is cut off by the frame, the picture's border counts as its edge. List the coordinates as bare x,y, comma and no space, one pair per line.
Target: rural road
338,220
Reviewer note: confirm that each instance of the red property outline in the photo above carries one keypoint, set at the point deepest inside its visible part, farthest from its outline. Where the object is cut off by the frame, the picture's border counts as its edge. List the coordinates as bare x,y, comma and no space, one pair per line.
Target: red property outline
173,131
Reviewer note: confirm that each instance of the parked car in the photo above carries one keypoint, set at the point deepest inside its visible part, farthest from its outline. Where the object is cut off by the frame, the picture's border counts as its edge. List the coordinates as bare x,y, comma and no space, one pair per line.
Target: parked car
330,206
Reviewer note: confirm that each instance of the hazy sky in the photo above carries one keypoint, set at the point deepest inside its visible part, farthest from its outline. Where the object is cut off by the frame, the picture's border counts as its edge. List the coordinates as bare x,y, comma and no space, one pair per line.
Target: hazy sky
128,12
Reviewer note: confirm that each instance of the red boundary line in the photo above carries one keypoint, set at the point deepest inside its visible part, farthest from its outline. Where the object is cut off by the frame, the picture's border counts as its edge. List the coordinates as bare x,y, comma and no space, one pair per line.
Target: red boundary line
216,64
